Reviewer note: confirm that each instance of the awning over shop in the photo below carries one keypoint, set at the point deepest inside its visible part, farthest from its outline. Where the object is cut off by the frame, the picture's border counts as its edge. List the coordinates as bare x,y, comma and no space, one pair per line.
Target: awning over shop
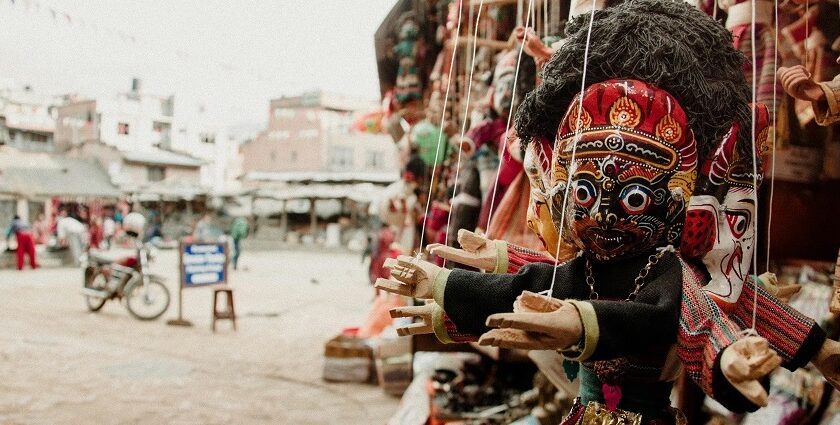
381,177
163,192
161,157
32,175
361,192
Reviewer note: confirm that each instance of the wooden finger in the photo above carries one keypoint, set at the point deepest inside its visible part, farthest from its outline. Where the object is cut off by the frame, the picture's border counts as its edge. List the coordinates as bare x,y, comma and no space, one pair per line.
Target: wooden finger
412,311
507,338
457,255
406,260
390,263
415,329
432,246
753,391
393,287
470,240
767,366
531,322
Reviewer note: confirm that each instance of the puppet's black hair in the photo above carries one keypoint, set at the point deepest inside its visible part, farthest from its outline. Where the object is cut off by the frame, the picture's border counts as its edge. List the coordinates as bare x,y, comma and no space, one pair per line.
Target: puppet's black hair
668,44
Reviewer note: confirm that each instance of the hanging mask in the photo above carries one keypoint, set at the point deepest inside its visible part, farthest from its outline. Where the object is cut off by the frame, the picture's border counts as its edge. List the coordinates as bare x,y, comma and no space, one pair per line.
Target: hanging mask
503,83
728,200
633,169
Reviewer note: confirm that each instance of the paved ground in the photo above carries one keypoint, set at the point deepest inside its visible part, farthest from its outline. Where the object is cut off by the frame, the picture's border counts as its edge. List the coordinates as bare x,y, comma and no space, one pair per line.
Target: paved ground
60,364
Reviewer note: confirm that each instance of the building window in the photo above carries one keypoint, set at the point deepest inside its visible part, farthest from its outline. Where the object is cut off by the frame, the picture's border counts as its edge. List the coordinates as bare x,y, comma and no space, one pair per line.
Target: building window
155,173
374,159
122,128
341,158
284,113
207,138
273,156
309,133
293,156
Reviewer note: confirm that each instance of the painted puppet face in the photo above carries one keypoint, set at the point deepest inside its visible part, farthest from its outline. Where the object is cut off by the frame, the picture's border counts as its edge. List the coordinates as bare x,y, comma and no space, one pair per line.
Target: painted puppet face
729,259
633,169
720,223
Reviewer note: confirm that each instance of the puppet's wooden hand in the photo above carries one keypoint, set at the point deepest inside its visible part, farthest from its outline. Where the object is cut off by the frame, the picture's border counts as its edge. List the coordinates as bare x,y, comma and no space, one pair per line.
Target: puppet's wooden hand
797,82
745,362
782,292
534,47
476,251
554,330
827,361
423,312
410,276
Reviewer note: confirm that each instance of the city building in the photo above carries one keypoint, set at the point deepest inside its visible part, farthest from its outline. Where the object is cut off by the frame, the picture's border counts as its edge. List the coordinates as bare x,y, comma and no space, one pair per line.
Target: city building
27,118
311,160
133,136
312,132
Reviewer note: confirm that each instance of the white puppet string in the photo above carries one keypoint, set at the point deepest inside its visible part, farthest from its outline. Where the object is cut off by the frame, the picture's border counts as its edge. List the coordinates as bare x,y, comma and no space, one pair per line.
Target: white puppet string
571,168
773,128
442,122
755,168
464,121
503,150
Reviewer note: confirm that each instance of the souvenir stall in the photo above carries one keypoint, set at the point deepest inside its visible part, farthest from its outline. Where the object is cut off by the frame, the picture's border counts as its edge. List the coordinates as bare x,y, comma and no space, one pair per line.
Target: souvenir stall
634,199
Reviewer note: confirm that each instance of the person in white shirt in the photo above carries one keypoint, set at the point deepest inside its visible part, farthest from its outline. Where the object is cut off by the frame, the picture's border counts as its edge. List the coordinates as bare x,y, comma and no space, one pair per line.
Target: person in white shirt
71,233
109,228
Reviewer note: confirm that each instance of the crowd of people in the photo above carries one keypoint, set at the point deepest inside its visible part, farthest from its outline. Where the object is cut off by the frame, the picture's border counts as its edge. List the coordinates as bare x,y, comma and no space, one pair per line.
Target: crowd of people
78,231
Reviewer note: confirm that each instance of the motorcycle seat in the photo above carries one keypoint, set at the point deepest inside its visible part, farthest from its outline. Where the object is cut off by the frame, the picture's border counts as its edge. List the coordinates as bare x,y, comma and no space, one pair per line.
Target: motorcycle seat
99,258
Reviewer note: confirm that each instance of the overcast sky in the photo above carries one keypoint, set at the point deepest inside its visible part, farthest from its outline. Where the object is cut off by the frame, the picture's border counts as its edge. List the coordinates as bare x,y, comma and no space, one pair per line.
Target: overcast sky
232,56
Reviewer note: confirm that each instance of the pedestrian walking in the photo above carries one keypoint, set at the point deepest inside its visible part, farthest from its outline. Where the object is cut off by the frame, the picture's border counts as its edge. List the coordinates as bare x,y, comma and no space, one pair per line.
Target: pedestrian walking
238,231
25,242
109,229
71,234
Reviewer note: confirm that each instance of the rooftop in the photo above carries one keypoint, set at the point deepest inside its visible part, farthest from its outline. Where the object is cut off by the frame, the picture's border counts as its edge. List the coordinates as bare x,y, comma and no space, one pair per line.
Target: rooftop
33,174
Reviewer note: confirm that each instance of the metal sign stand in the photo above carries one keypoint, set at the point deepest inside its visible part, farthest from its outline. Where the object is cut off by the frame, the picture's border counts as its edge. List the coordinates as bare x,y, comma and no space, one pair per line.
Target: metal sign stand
180,321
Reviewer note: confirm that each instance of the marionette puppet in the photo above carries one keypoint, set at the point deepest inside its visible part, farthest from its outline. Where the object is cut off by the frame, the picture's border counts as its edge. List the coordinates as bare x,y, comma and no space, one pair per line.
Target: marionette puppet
604,226
408,86
824,96
630,181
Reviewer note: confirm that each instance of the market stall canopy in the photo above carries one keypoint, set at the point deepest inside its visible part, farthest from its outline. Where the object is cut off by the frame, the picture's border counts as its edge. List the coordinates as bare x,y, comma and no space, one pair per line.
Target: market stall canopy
165,192
380,177
359,192
31,175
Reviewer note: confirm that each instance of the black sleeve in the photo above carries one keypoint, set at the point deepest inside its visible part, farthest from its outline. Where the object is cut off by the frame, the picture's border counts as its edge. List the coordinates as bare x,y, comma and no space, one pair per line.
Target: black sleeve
470,297
627,328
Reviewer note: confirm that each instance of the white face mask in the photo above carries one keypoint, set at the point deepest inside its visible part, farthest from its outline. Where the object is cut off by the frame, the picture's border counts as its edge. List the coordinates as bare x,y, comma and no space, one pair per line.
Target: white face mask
729,259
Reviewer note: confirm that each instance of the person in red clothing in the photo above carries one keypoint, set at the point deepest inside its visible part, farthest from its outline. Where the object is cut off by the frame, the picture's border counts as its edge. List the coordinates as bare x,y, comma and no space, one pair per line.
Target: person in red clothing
25,242
96,234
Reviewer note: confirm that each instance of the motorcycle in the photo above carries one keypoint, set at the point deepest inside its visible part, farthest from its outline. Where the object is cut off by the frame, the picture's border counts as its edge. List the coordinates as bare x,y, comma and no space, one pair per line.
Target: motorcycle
146,295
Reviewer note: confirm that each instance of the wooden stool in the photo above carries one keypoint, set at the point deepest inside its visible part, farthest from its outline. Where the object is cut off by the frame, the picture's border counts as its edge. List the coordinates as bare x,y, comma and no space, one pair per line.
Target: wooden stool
228,314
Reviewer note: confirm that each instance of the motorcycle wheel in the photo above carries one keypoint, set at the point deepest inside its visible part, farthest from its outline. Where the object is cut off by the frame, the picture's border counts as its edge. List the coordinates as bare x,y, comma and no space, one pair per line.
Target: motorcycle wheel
147,304
100,282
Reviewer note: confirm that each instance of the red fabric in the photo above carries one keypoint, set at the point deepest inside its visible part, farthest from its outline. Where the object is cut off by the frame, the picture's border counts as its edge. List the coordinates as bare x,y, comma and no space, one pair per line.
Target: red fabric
386,238
25,246
95,236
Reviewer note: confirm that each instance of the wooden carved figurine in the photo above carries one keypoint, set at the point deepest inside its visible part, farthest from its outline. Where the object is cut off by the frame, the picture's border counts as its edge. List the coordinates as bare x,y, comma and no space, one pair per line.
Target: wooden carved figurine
824,96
